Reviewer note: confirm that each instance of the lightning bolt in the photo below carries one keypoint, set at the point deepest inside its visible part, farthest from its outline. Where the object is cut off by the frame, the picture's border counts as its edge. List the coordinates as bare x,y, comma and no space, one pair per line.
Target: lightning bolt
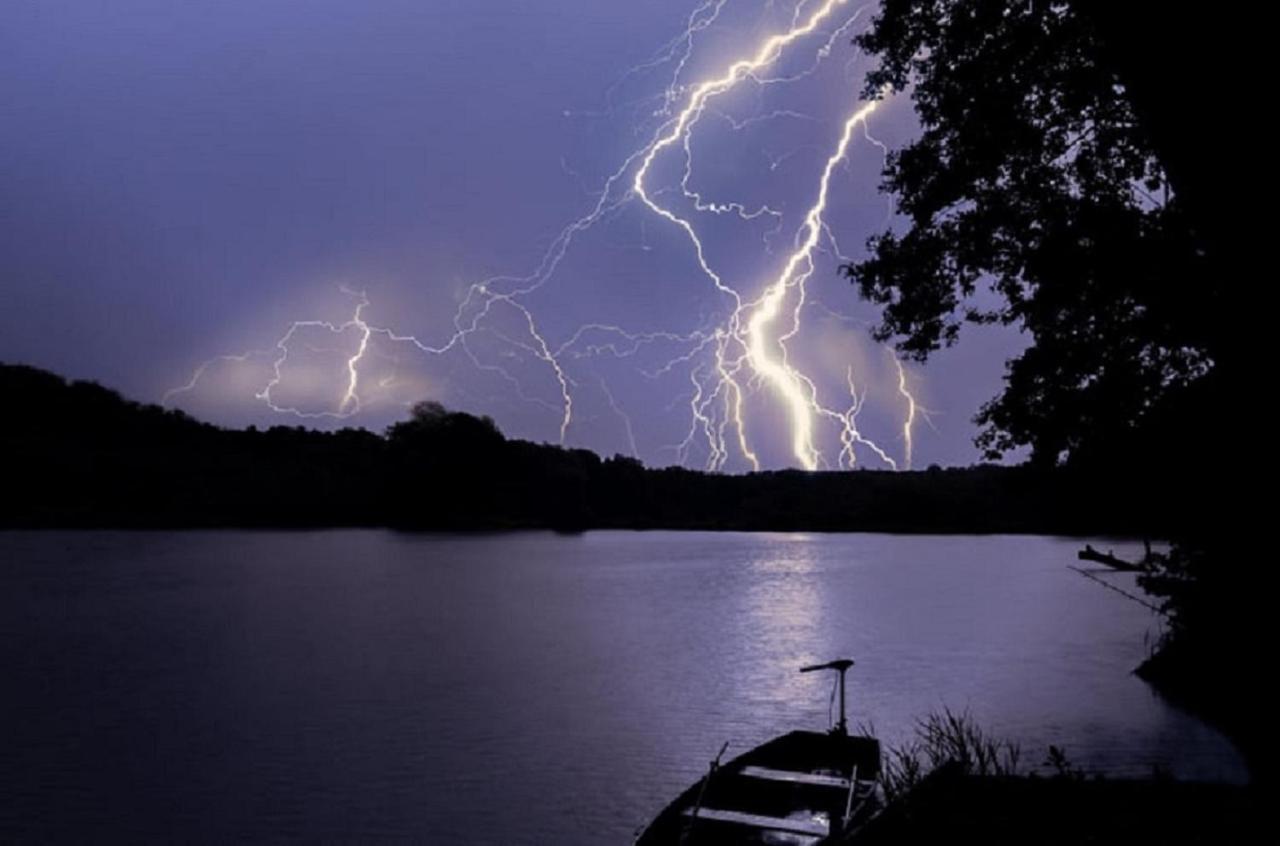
623,416
849,435
743,357
749,324
914,410
797,390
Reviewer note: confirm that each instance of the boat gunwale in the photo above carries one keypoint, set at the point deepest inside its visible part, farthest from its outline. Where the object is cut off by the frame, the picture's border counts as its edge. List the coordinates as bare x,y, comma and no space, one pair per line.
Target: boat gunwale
673,815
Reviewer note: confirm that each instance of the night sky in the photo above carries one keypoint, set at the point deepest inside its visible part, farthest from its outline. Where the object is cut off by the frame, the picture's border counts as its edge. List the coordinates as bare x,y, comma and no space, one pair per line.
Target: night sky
184,181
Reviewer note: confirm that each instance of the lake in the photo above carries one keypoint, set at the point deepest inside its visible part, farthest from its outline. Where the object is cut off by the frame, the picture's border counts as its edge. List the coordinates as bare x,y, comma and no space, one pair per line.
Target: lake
530,687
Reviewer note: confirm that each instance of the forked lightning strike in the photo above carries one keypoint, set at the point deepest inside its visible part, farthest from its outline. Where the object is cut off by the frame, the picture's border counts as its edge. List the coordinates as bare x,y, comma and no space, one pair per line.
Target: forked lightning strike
748,351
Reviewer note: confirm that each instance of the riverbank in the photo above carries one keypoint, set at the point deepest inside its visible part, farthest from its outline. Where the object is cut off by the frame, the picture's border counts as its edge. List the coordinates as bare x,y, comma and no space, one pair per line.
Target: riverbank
1219,692
949,807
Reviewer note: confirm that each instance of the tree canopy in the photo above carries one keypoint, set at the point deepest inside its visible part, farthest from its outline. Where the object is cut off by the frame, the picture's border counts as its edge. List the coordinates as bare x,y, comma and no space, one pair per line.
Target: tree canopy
1034,198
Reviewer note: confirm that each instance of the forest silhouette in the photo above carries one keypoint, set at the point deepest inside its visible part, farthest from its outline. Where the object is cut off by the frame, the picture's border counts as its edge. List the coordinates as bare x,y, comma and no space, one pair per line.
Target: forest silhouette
81,455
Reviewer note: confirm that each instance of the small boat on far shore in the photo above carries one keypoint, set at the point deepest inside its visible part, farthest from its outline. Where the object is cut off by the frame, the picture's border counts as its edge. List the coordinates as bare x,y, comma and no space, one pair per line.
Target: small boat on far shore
803,788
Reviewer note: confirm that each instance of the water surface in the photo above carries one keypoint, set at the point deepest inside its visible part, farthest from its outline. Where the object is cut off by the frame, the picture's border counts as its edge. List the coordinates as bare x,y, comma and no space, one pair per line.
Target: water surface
523,688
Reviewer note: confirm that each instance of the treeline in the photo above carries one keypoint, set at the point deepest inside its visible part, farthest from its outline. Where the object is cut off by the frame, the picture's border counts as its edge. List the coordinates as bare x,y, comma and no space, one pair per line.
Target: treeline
80,455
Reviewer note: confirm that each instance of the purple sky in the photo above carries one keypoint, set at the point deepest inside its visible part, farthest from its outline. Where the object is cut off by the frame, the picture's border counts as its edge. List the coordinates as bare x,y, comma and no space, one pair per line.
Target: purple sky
182,181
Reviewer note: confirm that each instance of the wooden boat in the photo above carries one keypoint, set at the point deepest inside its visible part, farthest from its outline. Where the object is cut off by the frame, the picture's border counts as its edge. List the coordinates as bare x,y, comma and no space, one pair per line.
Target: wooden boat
804,788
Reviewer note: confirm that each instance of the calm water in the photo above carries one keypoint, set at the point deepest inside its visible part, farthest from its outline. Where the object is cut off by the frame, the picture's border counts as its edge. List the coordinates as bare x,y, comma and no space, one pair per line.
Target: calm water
526,688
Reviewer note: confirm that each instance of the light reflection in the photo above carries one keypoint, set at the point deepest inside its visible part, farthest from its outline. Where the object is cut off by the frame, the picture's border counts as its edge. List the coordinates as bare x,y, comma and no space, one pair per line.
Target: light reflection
784,627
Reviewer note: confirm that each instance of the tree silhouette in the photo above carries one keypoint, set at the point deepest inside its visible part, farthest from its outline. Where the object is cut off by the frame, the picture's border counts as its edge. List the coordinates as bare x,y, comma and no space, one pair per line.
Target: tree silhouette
82,455
1034,198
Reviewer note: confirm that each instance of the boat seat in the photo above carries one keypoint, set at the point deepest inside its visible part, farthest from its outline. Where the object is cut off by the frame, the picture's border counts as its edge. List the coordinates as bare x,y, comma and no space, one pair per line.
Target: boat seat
796,777
817,828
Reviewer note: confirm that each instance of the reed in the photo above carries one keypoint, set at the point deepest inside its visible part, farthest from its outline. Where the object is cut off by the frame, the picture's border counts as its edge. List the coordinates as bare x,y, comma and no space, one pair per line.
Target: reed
950,739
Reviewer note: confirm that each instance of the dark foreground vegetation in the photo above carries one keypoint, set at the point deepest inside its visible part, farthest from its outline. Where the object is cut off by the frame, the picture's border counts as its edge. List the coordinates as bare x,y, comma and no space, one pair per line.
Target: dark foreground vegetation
954,783
80,455
1059,186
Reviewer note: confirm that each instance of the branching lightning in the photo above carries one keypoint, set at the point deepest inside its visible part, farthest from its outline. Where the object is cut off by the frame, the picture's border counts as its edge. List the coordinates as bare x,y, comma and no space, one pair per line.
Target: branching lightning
741,359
